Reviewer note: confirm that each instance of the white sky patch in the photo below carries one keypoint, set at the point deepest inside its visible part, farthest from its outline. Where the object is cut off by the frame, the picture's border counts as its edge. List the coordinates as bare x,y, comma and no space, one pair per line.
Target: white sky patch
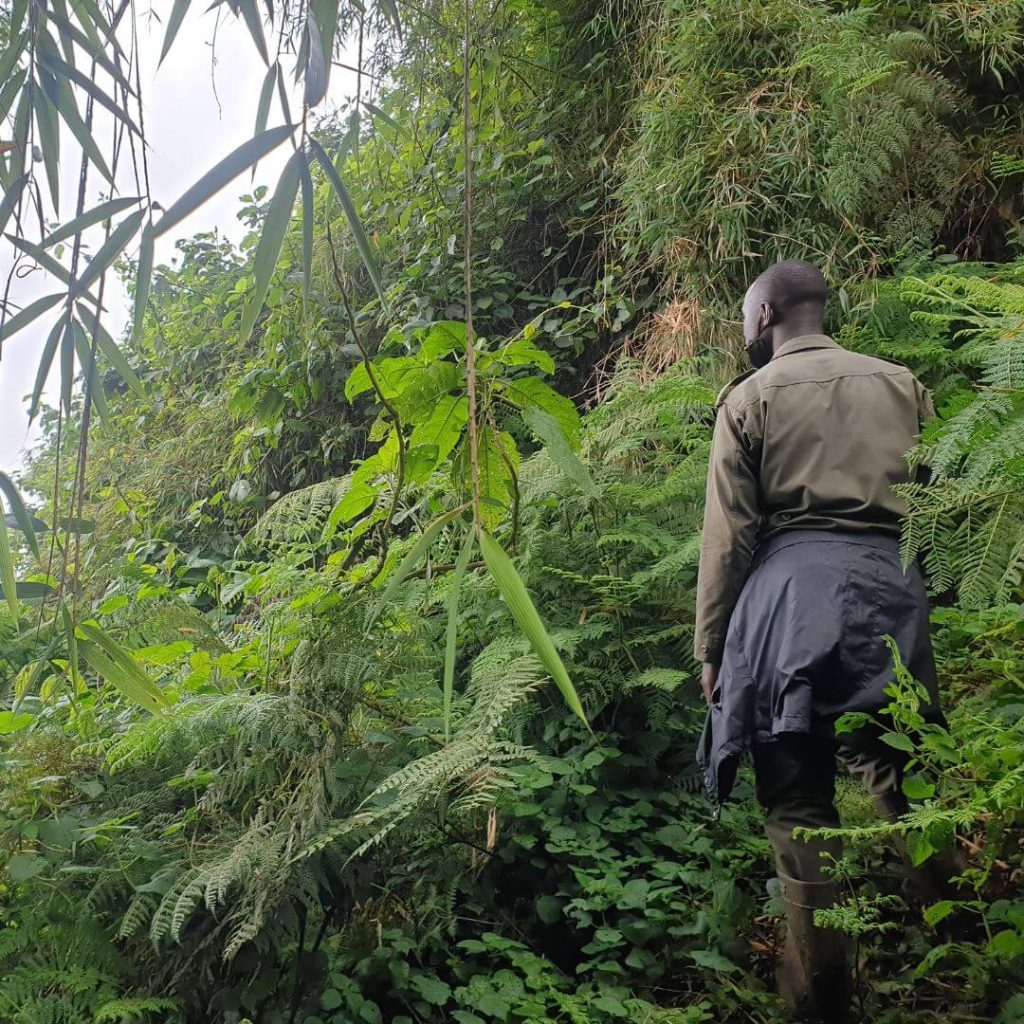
200,104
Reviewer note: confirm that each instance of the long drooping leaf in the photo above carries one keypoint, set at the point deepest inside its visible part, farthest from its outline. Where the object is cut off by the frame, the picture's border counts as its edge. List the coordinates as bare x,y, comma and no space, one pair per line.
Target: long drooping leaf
362,242
227,170
107,657
254,23
511,587
379,115
390,9
178,12
307,224
10,200
72,641
46,363
67,367
549,431
412,558
111,351
61,69
96,49
452,628
108,252
68,110
49,138
94,216
143,279
263,107
269,247
7,570
317,67
28,314
19,511
29,591
89,374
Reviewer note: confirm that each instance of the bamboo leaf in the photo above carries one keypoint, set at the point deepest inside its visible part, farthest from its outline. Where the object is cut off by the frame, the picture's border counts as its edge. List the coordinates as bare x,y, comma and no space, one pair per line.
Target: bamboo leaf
95,48
49,140
307,224
77,685
10,200
390,9
19,511
173,24
28,314
143,279
111,351
94,216
452,629
263,107
548,430
379,114
67,366
511,587
108,252
11,55
46,364
362,242
29,591
282,93
61,68
269,248
87,361
227,170
254,23
46,261
7,570
104,655
316,76
412,558
68,110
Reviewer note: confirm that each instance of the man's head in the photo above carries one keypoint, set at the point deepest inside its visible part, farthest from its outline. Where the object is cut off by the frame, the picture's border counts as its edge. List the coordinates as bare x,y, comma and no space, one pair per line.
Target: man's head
786,301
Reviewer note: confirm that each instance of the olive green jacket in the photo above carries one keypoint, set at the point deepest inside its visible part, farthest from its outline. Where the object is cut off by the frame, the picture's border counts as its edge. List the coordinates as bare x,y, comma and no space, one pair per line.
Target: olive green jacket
814,440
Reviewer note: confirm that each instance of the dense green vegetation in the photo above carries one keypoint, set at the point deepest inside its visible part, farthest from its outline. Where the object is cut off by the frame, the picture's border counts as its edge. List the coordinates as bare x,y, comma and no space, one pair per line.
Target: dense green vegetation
275,746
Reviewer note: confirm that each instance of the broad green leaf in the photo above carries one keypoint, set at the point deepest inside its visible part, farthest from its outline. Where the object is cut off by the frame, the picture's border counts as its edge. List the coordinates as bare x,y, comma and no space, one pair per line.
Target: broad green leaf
522,352
442,338
7,570
444,426
307,224
511,587
108,252
178,12
18,510
530,392
254,23
111,352
412,558
452,629
107,657
31,591
269,248
359,497
28,314
46,363
266,92
23,866
224,172
498,464
12,722
547,429
362,242
143,279
94,216
916,788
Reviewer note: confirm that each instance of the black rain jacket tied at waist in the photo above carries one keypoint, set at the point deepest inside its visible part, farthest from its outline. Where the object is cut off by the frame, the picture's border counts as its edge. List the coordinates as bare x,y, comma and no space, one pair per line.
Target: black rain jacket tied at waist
805,643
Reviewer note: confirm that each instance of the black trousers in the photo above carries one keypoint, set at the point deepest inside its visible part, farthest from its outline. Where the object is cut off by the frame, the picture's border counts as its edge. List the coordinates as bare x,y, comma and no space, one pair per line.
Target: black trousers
796,782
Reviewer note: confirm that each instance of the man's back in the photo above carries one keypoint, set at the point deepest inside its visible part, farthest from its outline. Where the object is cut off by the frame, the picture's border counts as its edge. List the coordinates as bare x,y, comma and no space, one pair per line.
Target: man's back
833,428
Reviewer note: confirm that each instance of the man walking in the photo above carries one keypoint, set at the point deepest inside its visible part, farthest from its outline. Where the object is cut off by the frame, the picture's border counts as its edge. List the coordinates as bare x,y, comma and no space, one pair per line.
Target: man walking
800,580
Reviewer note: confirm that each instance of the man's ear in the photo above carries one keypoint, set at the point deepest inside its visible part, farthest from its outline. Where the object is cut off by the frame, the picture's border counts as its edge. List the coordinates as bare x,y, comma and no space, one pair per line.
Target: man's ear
766,317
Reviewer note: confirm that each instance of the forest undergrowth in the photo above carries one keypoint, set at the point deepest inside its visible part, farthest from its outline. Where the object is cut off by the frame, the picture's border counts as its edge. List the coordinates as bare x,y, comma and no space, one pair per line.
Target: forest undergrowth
367,695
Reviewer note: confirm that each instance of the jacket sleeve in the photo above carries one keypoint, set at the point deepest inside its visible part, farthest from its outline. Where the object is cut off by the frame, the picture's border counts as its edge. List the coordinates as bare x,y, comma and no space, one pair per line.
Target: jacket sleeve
731,520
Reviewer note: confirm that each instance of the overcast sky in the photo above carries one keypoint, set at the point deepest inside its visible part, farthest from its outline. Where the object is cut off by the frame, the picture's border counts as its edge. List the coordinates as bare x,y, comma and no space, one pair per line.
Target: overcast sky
188,133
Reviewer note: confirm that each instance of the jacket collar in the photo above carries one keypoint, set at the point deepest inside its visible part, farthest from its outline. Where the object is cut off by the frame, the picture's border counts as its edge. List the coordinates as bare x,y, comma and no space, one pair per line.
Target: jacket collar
804,343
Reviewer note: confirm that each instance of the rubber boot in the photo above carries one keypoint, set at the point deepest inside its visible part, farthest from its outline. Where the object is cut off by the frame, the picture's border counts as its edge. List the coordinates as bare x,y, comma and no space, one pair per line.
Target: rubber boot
813,975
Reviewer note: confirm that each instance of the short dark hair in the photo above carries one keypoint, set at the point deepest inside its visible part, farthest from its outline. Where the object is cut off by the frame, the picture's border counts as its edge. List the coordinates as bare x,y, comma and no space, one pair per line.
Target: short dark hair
791,283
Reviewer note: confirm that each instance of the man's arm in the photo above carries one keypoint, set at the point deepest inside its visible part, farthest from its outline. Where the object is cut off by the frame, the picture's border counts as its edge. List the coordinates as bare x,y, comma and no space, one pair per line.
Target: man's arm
731,516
